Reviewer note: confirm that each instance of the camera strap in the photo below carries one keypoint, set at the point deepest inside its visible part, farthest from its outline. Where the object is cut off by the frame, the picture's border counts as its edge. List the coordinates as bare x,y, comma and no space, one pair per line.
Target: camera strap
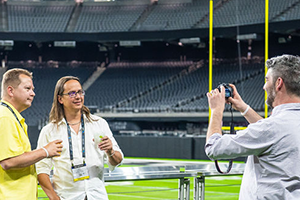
230,161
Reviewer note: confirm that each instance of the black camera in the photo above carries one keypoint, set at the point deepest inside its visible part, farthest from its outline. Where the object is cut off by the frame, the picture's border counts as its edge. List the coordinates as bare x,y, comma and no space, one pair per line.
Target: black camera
228,89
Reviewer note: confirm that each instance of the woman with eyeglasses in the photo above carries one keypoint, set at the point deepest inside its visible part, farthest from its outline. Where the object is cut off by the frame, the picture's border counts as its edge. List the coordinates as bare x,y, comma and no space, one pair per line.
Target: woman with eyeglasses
88,144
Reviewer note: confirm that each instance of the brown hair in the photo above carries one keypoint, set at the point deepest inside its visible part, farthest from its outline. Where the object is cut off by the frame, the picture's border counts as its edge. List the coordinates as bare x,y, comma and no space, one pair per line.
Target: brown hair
57,110
12,78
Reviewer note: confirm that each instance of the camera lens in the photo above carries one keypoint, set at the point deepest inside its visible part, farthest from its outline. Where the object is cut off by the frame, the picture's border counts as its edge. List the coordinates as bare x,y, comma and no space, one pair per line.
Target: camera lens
227,93
228,89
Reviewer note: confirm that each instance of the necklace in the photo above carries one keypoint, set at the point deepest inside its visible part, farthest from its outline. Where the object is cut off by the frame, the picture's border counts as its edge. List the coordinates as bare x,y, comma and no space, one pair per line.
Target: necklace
74,123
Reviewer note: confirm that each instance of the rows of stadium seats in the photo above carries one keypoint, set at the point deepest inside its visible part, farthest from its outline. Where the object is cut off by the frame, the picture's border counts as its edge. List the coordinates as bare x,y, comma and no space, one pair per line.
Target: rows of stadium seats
184,93
243,10
38,18
124,80
293,13
164,98
250,89
108,18
176,16
237,12
112,17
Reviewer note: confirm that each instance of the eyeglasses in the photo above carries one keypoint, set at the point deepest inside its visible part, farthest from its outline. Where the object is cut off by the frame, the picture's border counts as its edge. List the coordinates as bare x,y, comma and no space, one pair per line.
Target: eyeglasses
73,94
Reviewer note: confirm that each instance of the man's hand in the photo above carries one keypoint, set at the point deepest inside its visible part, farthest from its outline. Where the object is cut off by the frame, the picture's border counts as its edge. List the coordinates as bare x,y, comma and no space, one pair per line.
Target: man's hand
239,105
29,158
54,148
236,101
106,145
115,157
216,99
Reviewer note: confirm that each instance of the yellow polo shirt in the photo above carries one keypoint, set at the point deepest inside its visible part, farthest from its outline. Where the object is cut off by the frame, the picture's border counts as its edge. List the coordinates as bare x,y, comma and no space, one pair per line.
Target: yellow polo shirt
15,183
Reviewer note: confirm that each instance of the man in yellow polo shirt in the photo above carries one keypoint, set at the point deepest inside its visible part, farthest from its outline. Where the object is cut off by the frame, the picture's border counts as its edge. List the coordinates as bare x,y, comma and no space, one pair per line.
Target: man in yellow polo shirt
17,172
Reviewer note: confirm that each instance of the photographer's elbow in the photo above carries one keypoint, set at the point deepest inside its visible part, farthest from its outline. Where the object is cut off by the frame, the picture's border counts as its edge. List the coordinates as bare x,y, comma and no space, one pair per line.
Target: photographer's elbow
209,152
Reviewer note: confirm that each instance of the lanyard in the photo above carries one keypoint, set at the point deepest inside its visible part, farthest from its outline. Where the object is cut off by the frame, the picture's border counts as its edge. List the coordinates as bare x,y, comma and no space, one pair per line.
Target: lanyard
7,106
70,140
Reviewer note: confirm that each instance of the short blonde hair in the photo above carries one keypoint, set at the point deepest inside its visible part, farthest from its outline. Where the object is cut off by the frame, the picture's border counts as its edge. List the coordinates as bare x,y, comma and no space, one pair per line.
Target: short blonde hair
12,78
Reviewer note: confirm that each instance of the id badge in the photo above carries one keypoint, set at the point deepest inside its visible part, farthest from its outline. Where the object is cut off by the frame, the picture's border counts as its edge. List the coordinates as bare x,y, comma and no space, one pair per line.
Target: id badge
80,172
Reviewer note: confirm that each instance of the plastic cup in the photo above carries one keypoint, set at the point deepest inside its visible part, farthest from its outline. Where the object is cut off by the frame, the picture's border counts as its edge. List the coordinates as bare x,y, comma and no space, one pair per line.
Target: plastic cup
97,138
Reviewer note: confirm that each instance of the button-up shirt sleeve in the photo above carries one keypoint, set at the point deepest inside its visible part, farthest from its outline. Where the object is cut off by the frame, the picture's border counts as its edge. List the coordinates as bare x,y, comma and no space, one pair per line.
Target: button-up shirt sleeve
252,141
212,140
114,143
44,166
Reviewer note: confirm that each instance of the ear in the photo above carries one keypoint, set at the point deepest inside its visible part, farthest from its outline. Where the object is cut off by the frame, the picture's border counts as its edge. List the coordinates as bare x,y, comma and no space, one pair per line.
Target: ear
59,99
10,91
279,84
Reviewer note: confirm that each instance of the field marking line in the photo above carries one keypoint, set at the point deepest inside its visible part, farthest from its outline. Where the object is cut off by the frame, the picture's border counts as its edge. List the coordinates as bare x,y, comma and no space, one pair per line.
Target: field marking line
140,197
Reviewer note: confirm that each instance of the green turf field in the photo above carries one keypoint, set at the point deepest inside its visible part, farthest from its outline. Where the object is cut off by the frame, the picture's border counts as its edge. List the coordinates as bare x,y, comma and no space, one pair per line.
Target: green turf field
217,187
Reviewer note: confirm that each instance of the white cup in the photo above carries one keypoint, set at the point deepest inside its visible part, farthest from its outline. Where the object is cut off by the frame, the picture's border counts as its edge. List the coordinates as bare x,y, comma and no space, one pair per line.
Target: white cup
97,137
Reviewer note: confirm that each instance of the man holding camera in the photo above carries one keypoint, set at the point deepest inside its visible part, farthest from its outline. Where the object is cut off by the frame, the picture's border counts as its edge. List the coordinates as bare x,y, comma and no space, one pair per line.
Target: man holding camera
272,144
